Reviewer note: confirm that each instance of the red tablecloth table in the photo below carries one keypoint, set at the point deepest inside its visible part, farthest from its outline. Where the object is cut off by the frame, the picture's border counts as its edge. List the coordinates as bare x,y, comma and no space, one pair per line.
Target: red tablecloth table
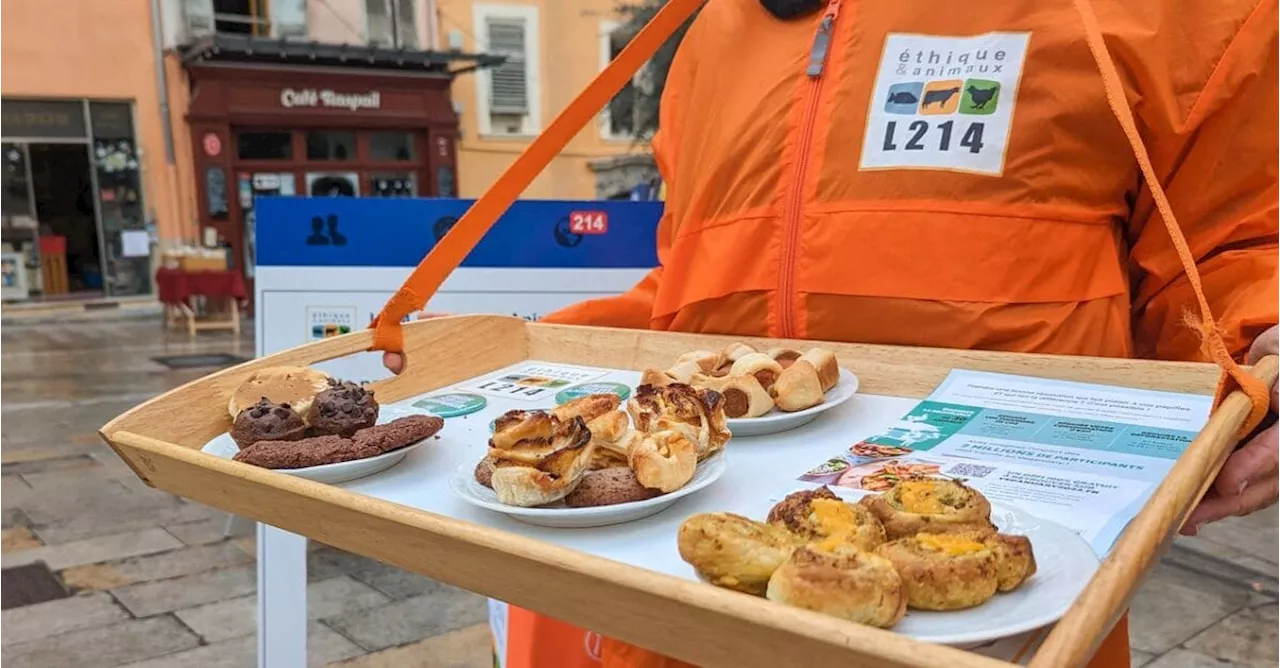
222,290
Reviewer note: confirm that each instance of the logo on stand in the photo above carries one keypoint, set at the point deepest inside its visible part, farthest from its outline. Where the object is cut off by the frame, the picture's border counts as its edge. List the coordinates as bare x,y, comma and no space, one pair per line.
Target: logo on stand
564,234
324,232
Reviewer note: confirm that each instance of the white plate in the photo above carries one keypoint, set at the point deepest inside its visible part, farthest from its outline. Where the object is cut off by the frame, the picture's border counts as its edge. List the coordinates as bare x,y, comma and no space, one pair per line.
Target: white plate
1064,565
776,421
463,483
226,448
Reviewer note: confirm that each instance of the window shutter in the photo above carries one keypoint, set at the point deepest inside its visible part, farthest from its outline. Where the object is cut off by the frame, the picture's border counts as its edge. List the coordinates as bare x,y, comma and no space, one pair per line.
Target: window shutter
508,85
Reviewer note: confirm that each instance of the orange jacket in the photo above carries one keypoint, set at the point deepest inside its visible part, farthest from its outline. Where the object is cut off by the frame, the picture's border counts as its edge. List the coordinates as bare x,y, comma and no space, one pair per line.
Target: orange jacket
793,210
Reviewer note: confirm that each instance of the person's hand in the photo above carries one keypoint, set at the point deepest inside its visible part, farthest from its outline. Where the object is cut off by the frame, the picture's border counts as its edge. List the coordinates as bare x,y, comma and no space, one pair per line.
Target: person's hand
1250,480
395,361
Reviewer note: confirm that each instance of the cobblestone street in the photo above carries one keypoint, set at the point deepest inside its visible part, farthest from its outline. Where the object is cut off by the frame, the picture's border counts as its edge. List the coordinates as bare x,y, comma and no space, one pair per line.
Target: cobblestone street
145,579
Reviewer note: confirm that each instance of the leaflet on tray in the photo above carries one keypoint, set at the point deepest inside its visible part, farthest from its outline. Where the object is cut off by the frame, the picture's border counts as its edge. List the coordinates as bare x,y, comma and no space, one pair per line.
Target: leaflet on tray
1086,456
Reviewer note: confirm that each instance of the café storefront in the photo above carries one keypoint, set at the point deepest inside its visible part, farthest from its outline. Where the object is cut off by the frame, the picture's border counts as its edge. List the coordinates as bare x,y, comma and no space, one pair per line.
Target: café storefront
328,122
75,222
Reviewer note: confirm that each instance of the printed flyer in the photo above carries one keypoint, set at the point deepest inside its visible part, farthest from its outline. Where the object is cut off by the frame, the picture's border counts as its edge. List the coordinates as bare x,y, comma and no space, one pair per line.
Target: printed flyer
1086,456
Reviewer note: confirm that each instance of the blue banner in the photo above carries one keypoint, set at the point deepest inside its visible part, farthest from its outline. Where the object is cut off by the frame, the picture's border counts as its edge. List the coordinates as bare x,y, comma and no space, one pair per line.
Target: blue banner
371,232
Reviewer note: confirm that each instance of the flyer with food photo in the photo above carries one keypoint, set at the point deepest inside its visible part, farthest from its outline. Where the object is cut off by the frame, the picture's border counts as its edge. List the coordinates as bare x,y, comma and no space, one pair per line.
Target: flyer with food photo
1086,456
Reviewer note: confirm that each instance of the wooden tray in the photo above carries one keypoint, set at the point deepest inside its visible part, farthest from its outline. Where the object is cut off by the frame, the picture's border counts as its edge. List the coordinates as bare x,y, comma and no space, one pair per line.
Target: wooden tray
161,441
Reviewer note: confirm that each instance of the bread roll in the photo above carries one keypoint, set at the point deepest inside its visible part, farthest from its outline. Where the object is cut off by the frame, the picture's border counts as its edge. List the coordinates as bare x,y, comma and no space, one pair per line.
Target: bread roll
745,397
683,371
734,552
841,581
293,385
764,368
943,571
824,361
798,388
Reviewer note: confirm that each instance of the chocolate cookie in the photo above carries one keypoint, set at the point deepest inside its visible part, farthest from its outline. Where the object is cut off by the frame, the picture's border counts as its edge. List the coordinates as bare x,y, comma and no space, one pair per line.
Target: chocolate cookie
399,432
343,409
265,421
608,487
306,452
484,472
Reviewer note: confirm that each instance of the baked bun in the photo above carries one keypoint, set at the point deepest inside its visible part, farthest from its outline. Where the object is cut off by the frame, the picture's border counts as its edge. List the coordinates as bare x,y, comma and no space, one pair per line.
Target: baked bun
764,368
943,571
682,372
608,487
828,368
930,505
732,551
798,387
819,514
843,582
744,397
293,385
784,356
543,466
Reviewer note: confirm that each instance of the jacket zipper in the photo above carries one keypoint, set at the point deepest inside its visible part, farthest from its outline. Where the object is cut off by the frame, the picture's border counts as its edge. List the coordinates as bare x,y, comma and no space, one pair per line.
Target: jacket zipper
795,201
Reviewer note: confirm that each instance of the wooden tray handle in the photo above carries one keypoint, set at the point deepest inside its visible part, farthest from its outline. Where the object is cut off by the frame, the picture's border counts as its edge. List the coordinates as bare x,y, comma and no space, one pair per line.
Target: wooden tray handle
1074,640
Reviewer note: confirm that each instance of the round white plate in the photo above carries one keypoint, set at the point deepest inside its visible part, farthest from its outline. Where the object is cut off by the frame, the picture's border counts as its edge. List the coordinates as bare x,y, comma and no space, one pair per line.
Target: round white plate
463,483
226,448
776,421
1064,565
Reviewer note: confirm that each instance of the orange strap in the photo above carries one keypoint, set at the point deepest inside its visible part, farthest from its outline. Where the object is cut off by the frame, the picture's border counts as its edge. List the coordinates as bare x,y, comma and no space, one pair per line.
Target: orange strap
448,254
454,247
1213,345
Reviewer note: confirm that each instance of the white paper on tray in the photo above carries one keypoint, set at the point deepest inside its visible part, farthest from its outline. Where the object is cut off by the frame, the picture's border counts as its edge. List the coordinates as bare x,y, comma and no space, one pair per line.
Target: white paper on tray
1086,456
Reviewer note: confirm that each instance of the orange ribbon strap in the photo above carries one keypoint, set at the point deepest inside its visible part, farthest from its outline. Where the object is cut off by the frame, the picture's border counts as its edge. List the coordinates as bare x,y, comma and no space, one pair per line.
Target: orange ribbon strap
448,254
1233,376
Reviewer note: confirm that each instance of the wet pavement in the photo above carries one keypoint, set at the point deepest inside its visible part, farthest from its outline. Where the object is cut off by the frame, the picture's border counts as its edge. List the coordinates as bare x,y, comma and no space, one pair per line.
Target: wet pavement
141,578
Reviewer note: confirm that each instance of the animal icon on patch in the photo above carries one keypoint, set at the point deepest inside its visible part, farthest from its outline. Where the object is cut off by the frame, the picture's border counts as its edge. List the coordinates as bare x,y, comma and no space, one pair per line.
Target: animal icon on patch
981,97
941,97
904,98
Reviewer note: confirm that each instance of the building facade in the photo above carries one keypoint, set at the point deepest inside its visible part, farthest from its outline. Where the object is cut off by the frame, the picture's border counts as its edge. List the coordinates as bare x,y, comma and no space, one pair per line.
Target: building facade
553,49
129,125
83,147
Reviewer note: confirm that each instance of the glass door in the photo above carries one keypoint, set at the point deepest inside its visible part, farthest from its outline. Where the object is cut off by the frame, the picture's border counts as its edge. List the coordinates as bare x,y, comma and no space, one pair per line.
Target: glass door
117,176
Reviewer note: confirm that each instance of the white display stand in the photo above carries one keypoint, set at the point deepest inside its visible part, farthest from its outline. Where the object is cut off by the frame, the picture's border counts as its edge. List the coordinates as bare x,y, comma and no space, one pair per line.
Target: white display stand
326,266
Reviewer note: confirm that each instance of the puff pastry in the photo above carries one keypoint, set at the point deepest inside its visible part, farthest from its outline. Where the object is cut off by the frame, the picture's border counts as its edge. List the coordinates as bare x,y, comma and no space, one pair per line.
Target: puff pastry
828,368
706,360
784,356
736,351
843,582
683,371
665,460
541,471
697,414
744,397
764,368
656,378
798,387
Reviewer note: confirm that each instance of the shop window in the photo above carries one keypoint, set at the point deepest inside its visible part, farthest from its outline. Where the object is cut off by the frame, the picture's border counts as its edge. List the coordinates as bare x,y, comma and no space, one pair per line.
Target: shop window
618,120
393,184
391,23
331,145
391,146
509,98
264,145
